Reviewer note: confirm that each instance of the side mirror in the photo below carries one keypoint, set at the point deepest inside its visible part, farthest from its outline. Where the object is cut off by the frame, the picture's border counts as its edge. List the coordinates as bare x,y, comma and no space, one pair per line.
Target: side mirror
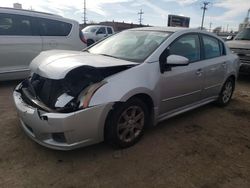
177,60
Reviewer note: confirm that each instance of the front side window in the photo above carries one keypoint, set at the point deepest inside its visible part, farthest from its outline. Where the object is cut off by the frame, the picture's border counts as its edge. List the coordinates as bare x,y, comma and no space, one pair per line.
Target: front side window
211,47
133,46
18,25
102,30
49,27
187,46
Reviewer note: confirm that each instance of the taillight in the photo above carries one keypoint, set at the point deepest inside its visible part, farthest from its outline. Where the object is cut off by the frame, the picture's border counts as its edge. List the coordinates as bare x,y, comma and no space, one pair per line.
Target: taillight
83,39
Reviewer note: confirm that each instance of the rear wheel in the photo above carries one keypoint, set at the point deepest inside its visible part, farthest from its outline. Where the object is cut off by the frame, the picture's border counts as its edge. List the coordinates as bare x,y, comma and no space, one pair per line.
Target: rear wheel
226,92
126,123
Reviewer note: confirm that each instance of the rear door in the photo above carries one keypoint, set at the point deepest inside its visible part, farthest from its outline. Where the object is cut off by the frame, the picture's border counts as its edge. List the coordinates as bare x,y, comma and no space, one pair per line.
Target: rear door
55,34
18,43
182,85
101,33
215,65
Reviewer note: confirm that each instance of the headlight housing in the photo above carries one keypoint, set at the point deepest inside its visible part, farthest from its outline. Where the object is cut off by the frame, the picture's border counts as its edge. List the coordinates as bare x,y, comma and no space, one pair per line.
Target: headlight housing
87,94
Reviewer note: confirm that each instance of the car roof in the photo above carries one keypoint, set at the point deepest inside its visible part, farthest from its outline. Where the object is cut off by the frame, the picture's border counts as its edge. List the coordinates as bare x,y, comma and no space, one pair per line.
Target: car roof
165,29
175,30
24,10
33,13
98,26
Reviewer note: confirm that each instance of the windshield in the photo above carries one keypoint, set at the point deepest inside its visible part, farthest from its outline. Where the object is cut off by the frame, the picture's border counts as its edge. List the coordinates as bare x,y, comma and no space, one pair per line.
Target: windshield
133,46
243,35
90,29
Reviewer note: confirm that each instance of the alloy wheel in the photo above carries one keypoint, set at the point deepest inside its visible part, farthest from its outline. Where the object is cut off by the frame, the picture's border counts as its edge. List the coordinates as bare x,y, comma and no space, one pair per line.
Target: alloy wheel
130,123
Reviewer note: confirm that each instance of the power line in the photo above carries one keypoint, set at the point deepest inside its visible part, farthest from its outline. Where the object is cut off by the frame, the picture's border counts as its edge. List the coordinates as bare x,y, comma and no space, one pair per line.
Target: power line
140,18
204,8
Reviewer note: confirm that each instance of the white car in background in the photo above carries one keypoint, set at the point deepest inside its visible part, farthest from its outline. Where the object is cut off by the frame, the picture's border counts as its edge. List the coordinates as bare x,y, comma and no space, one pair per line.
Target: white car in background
94,33
24,34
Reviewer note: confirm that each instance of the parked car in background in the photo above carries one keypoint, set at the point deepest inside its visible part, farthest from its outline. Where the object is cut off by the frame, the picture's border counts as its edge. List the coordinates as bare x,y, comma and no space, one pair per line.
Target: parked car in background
24,34
117,87
94,33
241,46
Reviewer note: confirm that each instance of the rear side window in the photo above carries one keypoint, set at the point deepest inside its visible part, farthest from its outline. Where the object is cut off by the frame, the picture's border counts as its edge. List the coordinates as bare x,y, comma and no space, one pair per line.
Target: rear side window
109,30
187,46
211,47
18,25
49,27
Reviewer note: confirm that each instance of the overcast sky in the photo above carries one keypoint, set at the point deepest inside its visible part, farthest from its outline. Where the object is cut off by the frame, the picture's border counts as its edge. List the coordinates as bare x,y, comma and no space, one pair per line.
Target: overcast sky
219,13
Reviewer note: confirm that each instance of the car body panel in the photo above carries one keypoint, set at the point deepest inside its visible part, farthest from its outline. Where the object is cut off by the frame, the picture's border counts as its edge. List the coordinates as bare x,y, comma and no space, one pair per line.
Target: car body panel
80,128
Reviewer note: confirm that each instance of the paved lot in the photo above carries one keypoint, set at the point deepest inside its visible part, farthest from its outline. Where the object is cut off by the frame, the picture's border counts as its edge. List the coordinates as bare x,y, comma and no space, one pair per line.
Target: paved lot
207,147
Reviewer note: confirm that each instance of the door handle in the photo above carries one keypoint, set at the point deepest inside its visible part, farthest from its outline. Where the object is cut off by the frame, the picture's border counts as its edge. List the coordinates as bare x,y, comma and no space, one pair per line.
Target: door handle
199,72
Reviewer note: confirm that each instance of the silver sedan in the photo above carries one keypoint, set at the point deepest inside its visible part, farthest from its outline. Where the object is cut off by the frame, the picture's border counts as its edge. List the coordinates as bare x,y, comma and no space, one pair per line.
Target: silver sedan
115,88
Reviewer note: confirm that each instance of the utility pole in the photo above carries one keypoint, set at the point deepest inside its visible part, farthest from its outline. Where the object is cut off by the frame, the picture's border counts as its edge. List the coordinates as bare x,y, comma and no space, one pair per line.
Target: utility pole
204,8
84,14
140,18
210,26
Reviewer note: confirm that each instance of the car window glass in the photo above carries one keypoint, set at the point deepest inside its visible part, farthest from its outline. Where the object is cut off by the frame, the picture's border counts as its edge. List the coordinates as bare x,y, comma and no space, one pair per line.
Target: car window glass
211,47
187,46
53,28
109,30
102,30
15,25
130,45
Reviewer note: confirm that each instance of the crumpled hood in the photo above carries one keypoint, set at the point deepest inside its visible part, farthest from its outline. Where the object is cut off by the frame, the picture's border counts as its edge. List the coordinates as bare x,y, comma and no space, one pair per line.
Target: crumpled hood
55,64
245,44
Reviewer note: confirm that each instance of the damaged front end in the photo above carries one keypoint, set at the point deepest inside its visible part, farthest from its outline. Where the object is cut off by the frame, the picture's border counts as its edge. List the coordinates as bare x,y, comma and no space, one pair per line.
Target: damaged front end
69,94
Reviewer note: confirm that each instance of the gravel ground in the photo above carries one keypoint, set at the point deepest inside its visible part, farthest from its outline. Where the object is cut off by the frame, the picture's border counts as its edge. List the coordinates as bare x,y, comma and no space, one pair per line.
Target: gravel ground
206,148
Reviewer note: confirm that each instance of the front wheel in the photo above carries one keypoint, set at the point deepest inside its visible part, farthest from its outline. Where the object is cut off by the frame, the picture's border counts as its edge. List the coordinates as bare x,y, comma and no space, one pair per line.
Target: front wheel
126,123
226,92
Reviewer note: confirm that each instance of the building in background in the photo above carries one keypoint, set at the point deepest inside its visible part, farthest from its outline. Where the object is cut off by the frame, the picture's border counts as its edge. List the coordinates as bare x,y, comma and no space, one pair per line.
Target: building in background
17,5
178,21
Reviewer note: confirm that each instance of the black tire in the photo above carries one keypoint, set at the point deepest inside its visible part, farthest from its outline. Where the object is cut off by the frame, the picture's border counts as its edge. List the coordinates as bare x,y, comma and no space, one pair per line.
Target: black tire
226,92
90,42
117,127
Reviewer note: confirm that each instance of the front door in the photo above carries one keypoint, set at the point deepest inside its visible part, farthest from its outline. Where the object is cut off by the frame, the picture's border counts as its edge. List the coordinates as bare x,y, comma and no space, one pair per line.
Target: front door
182,86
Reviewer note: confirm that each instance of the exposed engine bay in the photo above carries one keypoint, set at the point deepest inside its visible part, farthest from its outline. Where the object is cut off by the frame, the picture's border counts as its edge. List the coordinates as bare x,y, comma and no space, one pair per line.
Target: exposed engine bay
63,95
